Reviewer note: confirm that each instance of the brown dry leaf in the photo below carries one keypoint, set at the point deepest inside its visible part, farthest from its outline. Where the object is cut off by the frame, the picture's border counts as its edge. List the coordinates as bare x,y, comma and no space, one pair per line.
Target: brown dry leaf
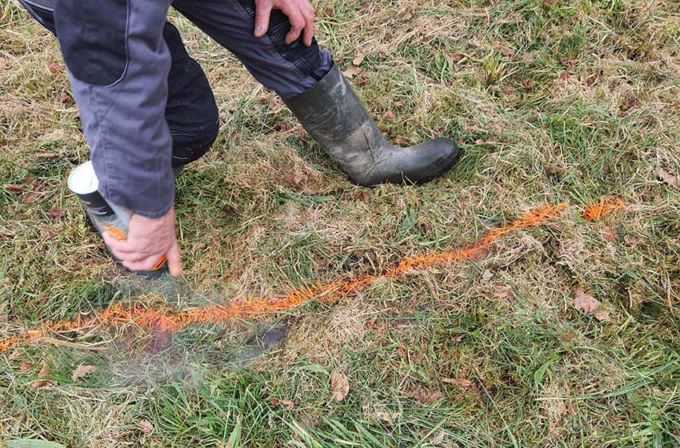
147,426
351,72
339,385
497,46
398,104
427,397
361,80
56,213
44,371
358,59
66,99
569,337
603,316
389,114
585,302
608,234
287,403
668,178
25,365
554,170
592,79
81,371
330,12
14,188
564,76
54,68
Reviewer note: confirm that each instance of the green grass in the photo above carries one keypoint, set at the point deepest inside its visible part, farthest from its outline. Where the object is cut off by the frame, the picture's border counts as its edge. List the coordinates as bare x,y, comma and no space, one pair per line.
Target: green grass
552,101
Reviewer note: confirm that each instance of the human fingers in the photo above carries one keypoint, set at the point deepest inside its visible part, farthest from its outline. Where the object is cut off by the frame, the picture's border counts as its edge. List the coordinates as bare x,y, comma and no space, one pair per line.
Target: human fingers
296,19
149,263
263,9
174,260
308,14
131,257
117,244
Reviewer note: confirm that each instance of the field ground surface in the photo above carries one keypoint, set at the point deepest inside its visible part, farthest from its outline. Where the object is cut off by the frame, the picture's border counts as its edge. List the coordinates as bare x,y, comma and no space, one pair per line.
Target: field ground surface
566,334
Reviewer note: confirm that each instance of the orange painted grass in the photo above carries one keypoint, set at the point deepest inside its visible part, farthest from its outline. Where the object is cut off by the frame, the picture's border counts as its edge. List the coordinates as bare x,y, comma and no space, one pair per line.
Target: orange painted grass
170,320
602,209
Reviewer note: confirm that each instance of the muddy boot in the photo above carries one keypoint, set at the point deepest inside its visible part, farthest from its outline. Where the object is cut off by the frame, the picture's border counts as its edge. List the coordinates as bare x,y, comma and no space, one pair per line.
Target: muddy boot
334,116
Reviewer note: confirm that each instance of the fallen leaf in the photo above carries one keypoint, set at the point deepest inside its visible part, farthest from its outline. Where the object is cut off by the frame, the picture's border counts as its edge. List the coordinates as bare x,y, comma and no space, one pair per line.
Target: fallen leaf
608,234
329,12
287,403
668,178
389,114
501,48
486,276
66,99
56,213
147,427
569,337
554,170
361,80
603,316
358,59
352,72
398,104
25,365
427,397
339,385
44,371
81,371
592,79
564,76
438,438
458,337
585,302
54,68
14,188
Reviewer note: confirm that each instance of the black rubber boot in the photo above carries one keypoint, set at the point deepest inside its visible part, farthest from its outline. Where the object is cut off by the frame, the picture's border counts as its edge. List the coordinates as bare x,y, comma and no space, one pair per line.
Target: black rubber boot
331,112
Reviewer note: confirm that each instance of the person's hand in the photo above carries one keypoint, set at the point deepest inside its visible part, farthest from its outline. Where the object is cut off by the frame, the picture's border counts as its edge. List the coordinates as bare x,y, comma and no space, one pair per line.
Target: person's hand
148,240
300,14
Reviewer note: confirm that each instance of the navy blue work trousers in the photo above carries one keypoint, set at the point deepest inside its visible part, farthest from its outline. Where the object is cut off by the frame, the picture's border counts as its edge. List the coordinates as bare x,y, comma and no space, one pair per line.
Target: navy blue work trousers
145,104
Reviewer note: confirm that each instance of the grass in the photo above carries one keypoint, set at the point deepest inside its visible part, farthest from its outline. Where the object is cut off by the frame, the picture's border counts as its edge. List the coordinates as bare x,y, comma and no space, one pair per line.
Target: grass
553,101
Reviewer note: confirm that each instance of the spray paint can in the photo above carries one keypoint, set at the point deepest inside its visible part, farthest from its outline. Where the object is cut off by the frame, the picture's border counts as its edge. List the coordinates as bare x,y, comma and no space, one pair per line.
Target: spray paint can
103,215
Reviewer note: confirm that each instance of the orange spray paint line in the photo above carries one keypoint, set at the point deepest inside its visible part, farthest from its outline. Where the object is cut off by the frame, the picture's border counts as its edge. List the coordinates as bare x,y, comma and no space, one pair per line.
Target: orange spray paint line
105,216
171,320
602,209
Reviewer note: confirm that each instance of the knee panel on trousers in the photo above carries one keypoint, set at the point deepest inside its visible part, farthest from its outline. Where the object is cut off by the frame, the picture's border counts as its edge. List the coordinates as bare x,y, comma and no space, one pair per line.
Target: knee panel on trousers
191,145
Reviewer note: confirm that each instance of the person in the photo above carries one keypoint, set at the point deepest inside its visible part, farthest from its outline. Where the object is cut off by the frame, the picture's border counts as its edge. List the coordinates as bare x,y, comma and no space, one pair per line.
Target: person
147,108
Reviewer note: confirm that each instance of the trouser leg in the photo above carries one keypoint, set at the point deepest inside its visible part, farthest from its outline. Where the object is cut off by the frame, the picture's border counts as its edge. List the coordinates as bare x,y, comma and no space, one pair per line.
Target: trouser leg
289,70
191,112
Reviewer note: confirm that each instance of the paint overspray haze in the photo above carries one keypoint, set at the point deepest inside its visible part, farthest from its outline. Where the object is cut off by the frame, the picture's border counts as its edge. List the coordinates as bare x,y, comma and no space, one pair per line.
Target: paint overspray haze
163,321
